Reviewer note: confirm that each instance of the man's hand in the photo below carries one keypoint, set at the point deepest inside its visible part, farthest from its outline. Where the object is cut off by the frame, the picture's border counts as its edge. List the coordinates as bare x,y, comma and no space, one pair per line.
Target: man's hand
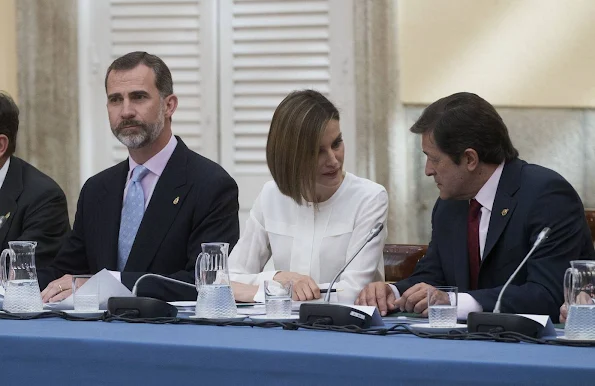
563,313
415,299
581,298
243,292
378,294
58,290
304,287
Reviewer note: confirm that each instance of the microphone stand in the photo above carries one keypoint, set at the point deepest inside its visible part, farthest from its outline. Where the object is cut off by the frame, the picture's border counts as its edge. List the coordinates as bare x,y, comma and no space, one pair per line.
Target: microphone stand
144,307
169,279
339,314
327,297
500,322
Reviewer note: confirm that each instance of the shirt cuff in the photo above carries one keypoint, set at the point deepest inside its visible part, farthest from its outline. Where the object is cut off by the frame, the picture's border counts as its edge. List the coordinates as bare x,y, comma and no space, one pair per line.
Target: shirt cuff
395,291
467,304
266,275
117,275
259,297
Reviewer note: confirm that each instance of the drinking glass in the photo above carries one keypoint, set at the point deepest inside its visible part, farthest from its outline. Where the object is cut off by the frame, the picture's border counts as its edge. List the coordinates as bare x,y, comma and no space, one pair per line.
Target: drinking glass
85,293
442,306
277,298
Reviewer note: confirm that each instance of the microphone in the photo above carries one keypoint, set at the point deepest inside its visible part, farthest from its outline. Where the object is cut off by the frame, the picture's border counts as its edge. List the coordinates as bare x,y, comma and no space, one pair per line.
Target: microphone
373,233
135,287
339,314
145,307
490,321
540,238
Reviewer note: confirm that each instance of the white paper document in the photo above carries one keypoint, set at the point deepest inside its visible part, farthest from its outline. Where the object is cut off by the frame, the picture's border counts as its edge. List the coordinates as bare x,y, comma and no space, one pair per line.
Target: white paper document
545,321
109,287
373,312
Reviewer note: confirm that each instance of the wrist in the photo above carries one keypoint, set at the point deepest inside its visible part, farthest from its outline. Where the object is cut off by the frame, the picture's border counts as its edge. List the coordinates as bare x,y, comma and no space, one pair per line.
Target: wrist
244,292
280,277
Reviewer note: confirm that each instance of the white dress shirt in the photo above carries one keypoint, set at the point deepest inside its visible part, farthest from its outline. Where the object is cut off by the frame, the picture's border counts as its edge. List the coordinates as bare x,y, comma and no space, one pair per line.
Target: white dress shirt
3,171
486,197
314,242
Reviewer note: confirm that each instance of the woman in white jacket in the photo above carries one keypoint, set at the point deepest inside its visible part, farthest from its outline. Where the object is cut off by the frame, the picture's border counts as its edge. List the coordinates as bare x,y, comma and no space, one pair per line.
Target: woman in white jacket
310,220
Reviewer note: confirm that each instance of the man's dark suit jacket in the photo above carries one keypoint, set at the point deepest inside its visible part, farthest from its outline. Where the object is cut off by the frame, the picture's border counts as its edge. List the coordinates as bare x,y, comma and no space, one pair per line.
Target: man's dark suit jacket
38,210
529,198
195,201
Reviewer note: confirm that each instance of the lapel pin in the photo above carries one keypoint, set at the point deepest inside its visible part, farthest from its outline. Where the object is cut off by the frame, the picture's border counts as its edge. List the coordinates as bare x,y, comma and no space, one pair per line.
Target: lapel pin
176,200
504,212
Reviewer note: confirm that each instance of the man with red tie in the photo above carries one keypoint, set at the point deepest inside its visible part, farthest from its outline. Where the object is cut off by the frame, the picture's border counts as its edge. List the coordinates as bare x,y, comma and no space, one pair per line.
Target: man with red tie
491,208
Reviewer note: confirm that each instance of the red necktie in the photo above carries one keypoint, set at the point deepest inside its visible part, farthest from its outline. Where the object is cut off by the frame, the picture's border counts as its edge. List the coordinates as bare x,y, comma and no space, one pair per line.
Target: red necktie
473,241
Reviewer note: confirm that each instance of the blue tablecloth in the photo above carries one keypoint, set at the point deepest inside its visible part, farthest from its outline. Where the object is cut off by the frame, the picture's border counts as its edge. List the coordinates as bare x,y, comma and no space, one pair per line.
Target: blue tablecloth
55,351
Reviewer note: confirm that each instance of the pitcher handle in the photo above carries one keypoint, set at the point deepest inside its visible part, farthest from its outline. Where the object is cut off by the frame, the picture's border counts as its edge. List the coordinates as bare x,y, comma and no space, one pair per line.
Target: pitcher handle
3,268
568,276
197,270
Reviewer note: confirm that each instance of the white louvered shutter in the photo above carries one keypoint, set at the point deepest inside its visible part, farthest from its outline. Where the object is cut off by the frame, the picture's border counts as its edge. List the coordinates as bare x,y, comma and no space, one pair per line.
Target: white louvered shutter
232,62
268,49
183,34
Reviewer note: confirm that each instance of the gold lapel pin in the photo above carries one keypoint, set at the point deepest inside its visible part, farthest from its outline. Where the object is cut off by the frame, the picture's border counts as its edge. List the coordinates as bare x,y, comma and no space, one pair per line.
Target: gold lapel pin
504,212
176,200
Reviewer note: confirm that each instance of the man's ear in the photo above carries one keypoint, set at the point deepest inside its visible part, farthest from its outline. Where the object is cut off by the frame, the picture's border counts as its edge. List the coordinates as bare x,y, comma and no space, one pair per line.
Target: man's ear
4,142
471,159
171,104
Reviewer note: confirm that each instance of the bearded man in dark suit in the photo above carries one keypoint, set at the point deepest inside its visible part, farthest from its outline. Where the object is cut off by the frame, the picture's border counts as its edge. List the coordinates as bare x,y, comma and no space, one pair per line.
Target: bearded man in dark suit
151,212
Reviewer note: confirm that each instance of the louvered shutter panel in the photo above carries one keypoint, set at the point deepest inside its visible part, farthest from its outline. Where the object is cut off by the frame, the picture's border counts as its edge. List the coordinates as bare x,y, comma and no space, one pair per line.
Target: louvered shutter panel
182,33
268,49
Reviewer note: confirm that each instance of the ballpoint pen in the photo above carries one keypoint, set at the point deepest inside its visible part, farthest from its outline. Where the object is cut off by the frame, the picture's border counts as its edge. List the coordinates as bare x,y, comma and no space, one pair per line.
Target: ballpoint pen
325,290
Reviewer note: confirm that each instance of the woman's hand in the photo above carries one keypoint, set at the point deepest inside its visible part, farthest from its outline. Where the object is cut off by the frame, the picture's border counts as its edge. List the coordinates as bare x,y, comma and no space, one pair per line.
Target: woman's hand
304,287
243,292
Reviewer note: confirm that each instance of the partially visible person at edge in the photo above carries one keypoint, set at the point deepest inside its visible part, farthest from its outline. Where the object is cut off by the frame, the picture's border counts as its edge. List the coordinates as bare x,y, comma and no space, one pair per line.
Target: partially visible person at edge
35,204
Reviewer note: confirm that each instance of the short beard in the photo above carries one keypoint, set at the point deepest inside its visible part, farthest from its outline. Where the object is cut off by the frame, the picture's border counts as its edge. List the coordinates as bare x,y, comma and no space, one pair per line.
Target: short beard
147,134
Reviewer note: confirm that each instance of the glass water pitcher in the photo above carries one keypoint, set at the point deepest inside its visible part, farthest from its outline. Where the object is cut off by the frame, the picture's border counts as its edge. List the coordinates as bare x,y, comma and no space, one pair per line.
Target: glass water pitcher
215,297
19,278
579,295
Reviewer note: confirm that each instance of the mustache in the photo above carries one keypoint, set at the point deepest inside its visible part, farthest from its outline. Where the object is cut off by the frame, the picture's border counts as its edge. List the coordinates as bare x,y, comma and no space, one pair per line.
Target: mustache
129,122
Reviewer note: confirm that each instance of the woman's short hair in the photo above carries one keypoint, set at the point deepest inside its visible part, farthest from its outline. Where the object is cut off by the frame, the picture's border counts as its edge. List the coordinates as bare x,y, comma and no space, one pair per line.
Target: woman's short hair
297,127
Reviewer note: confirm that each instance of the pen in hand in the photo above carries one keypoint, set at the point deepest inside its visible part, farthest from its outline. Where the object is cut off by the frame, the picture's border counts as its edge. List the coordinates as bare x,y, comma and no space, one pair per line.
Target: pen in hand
325,290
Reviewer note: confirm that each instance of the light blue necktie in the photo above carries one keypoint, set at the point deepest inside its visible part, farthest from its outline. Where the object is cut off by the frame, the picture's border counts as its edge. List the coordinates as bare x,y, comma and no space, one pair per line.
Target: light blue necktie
132,215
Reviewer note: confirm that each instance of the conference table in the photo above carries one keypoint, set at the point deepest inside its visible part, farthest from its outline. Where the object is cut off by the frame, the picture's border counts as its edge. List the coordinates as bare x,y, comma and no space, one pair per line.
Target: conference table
56,351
